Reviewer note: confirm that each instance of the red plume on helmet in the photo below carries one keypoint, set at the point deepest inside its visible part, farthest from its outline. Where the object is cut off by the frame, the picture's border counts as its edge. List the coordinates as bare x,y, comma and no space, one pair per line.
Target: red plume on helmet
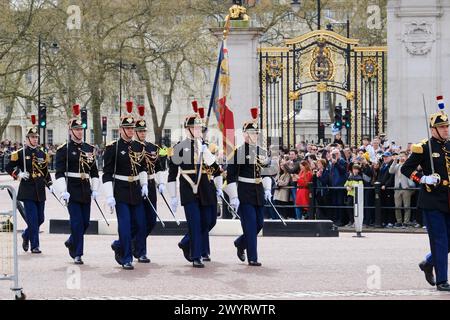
141,110
195,106
254,112
201,112
33,119
129,105
76,110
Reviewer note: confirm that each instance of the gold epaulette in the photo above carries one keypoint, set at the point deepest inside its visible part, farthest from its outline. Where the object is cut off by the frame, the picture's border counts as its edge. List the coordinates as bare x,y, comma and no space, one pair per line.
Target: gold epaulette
417,148
111,143
61,146
15,155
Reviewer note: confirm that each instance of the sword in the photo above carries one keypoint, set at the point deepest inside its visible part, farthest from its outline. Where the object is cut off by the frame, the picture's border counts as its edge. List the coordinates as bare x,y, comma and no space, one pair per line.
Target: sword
234,213
151,205
173,214
53,193
95,200
429,142
276,211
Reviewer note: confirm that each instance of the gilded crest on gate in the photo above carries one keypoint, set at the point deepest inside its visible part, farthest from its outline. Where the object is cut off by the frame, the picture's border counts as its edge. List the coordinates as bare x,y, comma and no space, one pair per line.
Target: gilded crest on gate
274,69
369,68
322,66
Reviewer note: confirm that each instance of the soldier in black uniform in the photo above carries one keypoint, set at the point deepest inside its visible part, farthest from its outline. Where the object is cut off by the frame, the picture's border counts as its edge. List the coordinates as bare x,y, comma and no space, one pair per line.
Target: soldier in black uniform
248,186
76,182
434,197
125,182
199,199
34,177
155,171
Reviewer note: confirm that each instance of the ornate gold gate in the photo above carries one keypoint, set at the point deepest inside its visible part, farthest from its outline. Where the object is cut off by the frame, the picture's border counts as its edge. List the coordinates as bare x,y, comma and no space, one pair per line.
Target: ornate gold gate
316,63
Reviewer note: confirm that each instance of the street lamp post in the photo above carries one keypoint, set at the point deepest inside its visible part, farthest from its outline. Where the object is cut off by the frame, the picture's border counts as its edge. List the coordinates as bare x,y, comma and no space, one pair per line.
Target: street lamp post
128,66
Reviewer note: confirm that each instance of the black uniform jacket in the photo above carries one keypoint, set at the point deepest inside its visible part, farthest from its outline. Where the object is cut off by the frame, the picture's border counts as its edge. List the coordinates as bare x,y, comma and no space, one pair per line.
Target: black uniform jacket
37,166
81,161
130,162
430,197
184,160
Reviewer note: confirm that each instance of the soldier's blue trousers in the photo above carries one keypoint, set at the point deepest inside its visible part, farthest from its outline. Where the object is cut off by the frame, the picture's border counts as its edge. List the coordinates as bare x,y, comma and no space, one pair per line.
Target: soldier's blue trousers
35,218
131,223
80,214
208,219
438,227
252,221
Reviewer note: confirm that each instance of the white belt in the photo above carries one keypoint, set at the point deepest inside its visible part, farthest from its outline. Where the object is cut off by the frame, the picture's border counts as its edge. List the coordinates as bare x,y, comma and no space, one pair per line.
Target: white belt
78,175
250,180
151,177
126,178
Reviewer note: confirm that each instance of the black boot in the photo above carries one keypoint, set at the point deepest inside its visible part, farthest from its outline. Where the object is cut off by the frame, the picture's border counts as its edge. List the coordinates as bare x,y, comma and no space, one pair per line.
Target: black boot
78,260
117,253
254,264
25,244
128,266
143,259
443,287
70,247
186,252
197,263
428,270
240,253
206,258
36,251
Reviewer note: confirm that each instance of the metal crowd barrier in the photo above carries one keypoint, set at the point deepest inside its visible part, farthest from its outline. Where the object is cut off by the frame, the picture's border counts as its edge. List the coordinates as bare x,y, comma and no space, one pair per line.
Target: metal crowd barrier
9,264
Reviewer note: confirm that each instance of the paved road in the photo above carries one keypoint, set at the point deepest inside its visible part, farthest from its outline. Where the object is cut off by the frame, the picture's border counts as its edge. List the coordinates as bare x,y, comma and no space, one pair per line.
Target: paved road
381,266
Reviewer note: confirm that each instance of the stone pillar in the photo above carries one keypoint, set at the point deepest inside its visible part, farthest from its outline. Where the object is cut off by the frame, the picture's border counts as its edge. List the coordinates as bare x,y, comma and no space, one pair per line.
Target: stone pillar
418,62
242,44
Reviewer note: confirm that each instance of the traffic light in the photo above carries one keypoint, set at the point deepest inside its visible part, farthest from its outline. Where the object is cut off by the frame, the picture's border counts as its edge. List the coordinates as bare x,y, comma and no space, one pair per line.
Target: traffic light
42,115
84,118
338,116
347,118
104,125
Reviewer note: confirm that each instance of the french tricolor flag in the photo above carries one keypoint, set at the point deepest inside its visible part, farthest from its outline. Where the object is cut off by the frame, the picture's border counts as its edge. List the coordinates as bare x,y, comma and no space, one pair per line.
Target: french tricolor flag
441,103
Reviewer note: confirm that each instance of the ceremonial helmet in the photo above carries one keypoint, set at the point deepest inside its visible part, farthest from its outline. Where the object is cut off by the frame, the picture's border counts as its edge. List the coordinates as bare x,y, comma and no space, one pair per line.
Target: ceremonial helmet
75,122
127,120
252,126
193,120
440,118
33,130
141,124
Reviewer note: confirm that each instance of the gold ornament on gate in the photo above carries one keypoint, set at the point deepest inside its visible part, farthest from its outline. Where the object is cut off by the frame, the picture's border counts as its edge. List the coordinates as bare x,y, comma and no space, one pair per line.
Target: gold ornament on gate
294,95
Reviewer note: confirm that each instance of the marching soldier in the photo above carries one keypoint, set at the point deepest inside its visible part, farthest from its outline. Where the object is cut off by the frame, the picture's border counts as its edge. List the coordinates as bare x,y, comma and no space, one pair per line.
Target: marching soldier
248,188
155,170
197,196
77,181
434,196
30,165
125,182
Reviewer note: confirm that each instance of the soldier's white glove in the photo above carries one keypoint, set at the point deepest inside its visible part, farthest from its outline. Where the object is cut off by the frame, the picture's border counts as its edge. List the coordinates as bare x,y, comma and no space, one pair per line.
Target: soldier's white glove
24,175
234,203
268,195
65,196
161,188
94,194
144,190
219,193
431,180
174,204
111,201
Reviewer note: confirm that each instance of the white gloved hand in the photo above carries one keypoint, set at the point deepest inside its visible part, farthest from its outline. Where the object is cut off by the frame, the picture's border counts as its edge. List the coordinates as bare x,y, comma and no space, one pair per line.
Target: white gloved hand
268,195
144,191
219,193
65,196
111,201
23,175
161,188
204,148
234,203
431,180
94,195
174,204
